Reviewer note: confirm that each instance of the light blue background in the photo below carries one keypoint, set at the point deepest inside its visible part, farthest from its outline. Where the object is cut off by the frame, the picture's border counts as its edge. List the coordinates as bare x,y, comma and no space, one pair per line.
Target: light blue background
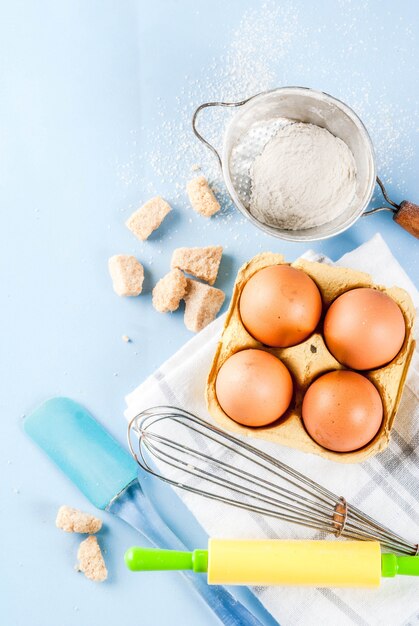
95,100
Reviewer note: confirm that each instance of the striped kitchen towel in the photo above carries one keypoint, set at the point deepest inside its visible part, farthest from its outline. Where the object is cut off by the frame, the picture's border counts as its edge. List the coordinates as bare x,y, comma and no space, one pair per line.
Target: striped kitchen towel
386,486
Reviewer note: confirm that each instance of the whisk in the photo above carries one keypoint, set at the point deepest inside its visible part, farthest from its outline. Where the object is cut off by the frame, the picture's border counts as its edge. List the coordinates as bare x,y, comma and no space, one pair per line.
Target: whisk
196,456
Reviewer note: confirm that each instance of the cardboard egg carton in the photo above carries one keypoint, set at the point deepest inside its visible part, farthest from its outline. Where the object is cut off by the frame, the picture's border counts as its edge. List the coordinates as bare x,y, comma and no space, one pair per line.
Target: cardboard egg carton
307,360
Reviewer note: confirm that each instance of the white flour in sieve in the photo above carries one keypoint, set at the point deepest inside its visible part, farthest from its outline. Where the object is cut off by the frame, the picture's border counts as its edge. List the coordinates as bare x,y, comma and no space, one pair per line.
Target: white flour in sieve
304,177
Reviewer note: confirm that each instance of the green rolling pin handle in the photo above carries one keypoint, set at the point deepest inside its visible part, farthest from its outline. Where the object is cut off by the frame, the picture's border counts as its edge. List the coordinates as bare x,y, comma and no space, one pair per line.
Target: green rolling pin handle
392,565
152,559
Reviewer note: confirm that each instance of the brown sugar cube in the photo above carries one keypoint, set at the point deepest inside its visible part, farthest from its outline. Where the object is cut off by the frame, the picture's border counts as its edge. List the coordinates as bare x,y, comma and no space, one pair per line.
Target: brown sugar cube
127,275
148,217
202,197
91,561
200,262
202,304
75,521
169,291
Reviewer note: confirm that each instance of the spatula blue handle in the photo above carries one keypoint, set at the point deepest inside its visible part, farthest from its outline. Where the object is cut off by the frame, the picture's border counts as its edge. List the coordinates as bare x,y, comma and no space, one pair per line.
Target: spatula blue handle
138,511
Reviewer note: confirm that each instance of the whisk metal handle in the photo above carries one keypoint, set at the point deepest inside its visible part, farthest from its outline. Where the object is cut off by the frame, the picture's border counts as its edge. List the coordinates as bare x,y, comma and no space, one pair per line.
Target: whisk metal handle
206,105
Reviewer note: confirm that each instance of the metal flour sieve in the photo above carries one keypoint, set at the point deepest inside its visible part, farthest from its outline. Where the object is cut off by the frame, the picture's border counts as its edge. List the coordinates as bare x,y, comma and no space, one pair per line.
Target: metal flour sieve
258,120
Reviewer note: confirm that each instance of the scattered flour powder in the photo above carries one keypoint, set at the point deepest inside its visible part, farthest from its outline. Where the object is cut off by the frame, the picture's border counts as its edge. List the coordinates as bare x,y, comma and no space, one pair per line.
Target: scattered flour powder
271,44
304,177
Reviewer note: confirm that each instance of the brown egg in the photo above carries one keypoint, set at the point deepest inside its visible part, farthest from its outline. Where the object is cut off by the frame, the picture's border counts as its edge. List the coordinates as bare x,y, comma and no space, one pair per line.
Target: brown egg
342,411
280,306
364,328
254,387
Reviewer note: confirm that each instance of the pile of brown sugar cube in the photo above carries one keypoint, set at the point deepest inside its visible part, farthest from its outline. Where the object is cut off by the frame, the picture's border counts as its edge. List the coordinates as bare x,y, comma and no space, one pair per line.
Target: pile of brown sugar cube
89,555
202,300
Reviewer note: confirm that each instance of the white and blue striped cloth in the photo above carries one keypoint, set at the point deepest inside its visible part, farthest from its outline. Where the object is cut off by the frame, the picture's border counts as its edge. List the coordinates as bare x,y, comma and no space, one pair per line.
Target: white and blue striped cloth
386,486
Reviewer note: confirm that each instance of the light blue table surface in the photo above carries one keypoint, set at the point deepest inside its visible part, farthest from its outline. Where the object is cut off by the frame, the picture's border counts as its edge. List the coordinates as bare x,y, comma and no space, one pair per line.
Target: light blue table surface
95,103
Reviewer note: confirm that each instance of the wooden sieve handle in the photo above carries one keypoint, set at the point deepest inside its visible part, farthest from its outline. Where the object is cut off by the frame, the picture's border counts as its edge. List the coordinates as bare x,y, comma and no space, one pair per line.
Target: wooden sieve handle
407,216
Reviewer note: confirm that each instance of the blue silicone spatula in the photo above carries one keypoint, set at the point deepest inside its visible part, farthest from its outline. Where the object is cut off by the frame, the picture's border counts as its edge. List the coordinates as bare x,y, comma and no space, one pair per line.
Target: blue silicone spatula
107,475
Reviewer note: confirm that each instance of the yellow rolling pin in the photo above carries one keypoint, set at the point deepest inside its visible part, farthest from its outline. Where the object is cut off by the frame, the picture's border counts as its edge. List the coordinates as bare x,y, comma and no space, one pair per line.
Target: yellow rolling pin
277,562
